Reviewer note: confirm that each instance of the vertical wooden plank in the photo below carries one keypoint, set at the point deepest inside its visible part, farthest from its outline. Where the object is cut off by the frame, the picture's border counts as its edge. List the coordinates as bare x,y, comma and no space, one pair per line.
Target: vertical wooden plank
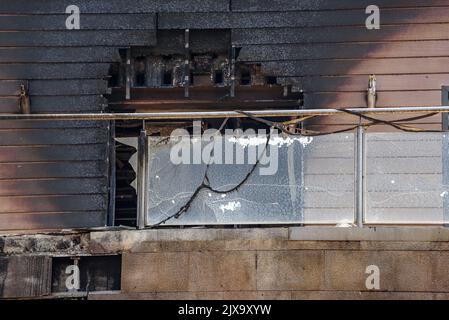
25,276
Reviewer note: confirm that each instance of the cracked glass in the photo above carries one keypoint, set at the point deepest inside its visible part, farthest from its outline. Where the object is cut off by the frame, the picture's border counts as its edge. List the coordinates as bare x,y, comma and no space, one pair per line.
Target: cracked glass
298,180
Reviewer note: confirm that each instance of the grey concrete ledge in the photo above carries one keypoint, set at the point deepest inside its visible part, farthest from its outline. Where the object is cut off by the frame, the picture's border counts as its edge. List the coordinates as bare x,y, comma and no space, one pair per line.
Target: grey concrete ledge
397,233
294,238
426,234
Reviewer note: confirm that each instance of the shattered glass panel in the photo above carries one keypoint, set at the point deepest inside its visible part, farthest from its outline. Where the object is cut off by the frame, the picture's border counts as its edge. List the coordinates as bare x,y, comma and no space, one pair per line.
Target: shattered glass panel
298,180
407,178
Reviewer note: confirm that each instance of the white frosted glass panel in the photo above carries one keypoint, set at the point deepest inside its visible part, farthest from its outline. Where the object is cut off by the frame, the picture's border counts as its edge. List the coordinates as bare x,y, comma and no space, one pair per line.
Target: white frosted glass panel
406,178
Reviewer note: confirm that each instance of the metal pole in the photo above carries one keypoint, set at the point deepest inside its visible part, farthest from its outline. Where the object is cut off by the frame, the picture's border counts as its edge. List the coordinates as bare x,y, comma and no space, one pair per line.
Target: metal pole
142,179
128,74
360,177
187,79
232,72
216,114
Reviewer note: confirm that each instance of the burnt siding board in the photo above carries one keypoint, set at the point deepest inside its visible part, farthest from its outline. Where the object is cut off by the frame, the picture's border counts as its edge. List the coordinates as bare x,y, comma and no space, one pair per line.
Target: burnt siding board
46,136
79,38
43,124
61,104
56,104
50,220
53,203
358,66
60,186
38,170
85,152
409,49
55,174
88,22
299,18
113,6
38,71
290,35
314,5
58,54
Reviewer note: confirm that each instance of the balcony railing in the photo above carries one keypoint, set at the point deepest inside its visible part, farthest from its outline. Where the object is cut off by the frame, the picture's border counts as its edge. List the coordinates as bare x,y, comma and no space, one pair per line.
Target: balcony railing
343,179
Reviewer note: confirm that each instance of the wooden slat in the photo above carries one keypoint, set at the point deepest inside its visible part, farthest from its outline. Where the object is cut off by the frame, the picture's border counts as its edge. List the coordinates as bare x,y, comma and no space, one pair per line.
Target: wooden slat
55,220
48,124
38,170
385,99
345,51
53,71
333,199
326,166
358,67
54,204
404,182
358,83
78,38
88,152
67,87
314,5
112,6
43,22
52,136
409,165
24,276
390,200
58,54
57,104
406,215
340,34
52,186
67,103
299,18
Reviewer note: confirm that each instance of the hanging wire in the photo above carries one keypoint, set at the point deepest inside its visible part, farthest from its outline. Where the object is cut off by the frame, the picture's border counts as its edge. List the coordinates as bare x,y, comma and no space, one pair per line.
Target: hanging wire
285,127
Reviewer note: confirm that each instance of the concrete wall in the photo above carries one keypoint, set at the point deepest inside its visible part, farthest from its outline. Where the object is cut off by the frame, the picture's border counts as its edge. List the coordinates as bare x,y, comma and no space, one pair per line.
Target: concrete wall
278,263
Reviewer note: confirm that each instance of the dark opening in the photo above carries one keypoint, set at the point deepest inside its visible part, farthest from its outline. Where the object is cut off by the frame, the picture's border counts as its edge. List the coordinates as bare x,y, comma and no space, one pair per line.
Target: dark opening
167,78
219,77
140,78
271,80
114,75
245,78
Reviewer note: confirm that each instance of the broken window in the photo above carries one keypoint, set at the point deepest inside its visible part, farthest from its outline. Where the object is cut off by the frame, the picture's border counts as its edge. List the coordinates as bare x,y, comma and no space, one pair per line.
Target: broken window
186,71
297,180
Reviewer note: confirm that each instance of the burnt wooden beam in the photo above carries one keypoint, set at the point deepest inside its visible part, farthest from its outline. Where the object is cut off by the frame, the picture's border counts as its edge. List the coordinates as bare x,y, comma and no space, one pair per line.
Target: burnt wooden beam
25,276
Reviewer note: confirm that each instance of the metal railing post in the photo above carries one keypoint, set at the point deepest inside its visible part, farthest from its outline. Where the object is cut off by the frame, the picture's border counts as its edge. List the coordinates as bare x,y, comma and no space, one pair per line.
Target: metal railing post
142,179
360,177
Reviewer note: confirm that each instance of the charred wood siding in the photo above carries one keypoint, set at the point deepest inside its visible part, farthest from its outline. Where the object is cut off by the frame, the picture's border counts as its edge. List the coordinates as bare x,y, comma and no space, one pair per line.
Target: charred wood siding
324,48
55,175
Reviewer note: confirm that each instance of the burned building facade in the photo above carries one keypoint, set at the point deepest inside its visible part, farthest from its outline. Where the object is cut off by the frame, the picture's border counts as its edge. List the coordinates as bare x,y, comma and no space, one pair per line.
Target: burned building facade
82,185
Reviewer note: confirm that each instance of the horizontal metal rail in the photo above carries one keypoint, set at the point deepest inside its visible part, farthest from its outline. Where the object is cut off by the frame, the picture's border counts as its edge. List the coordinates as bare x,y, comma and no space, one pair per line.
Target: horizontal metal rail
217,114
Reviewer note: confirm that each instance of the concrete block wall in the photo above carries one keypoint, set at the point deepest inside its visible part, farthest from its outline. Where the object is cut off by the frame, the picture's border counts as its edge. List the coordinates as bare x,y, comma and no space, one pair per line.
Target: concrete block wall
262,263
284,263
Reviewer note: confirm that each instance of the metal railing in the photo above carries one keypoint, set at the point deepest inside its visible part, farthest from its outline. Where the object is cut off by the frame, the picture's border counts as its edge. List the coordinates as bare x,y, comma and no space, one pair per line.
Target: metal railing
361,160
218,114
